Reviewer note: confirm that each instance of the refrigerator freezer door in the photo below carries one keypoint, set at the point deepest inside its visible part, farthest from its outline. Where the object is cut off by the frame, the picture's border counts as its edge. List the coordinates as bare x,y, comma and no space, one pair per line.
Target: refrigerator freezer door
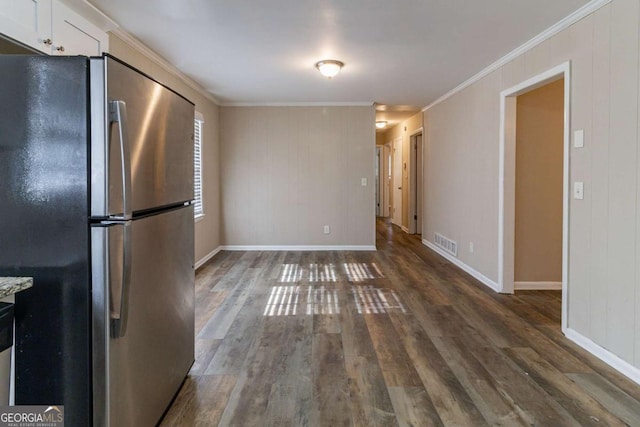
147,363
159,130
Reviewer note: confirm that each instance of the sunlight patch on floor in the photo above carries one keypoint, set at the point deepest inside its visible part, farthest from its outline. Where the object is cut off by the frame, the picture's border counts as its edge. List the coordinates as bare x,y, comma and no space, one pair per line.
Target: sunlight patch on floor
283,301
322,301
323,273
372,300
361,271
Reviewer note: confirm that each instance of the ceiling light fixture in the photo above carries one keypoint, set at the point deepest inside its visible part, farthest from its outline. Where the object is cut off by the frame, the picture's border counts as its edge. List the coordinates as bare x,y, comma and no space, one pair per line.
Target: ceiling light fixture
329,67
381,124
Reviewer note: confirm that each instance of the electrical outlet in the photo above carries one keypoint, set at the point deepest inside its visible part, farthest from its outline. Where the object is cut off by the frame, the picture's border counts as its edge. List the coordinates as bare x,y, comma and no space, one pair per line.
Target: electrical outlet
326,229
471,247
578,190
578,138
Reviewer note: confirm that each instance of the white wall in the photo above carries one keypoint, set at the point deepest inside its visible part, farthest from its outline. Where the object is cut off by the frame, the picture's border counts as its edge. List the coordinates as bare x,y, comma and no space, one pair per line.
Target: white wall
288,171
604,253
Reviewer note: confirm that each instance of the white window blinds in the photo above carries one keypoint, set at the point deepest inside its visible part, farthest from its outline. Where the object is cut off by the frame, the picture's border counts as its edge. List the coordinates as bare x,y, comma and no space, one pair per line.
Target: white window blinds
197,165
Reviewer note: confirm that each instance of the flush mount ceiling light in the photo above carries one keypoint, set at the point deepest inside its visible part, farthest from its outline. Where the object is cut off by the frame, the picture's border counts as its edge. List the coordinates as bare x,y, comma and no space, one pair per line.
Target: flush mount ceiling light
329,67
381,124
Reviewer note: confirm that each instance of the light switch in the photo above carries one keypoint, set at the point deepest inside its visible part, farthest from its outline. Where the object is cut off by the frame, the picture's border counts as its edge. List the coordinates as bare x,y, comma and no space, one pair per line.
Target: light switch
363,181
578,138
578,190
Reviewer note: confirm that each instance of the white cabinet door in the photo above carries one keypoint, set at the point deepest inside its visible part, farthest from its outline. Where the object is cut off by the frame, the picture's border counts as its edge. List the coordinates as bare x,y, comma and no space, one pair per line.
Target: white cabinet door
27,21
51,27
74,35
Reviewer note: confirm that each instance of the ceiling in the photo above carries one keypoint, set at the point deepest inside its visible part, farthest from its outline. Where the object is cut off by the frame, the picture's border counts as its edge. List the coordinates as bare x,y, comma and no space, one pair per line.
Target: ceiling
397,53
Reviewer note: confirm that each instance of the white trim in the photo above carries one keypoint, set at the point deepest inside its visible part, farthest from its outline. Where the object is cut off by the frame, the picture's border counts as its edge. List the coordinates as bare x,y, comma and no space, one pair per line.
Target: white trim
298,104
397,142
605,355
416,132
506,178
413,164
476,274
146,51
538,286
566,22
297,248
207,257
405,229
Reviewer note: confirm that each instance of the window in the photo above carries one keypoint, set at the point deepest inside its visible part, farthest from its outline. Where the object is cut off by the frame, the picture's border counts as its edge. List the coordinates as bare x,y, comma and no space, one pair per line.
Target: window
197,165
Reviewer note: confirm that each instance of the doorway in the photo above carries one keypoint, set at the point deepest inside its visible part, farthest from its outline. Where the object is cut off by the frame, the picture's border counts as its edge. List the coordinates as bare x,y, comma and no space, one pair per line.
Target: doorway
508,175
386,185
383,179
415,183
396,217
538,193
379,174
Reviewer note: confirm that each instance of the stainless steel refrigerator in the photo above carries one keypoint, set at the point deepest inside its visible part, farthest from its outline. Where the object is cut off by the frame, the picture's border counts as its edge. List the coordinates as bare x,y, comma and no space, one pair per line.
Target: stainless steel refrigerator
96,189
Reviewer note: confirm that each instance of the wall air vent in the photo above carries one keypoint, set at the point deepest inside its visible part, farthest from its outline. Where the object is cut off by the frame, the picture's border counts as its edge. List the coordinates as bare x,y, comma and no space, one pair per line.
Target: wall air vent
447,244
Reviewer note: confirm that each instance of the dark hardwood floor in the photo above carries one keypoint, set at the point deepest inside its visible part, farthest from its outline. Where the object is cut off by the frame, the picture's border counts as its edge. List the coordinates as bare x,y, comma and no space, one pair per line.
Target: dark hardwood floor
394,337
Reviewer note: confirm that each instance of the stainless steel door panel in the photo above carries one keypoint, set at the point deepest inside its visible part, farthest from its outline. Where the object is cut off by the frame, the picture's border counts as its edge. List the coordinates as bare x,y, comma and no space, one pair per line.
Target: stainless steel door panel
160,125
160,134
100,268
149,362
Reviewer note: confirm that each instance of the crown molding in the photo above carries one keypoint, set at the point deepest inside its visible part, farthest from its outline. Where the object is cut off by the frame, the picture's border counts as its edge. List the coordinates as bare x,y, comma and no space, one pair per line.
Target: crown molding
565,23
149,53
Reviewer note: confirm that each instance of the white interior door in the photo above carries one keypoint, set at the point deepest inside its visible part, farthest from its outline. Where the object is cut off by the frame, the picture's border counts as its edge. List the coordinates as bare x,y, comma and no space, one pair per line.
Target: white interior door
396,216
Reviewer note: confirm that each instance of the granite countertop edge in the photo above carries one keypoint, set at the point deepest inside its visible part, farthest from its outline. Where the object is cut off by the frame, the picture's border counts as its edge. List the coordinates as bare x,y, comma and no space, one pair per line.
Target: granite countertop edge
12,285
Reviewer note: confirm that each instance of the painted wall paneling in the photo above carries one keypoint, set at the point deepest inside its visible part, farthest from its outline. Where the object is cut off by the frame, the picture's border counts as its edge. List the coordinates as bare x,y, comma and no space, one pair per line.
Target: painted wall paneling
462,145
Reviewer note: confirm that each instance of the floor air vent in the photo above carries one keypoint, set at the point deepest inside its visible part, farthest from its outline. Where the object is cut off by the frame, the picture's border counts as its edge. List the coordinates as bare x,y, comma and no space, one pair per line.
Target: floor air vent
447,244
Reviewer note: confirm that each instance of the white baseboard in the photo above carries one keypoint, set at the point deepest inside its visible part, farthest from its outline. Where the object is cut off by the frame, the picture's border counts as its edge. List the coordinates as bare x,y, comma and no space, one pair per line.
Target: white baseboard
481,277
537,286
207,257
297,248
405,229
605,355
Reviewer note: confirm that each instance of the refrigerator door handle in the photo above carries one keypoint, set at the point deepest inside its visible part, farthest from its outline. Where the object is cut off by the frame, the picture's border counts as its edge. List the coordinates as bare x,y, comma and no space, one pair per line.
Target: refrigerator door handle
118,114
120,294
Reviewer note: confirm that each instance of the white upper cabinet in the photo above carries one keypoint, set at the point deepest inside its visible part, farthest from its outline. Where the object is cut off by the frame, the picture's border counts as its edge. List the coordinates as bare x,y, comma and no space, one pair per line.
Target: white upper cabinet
73,35
27,21
51,27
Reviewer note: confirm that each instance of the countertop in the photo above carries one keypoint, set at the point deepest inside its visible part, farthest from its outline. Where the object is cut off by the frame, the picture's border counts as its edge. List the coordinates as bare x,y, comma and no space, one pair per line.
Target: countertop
12,285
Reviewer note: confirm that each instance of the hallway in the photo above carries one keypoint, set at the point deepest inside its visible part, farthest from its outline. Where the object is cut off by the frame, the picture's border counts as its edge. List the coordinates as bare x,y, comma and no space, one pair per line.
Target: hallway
393,337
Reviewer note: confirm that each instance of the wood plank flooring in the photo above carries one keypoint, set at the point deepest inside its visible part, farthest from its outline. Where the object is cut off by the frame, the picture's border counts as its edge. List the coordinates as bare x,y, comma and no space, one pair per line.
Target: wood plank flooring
396,337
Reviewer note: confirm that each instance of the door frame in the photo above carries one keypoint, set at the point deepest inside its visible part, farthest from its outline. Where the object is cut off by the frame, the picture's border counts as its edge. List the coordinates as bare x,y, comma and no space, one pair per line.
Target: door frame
506,192
386,179
416,178
378,177
397,147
